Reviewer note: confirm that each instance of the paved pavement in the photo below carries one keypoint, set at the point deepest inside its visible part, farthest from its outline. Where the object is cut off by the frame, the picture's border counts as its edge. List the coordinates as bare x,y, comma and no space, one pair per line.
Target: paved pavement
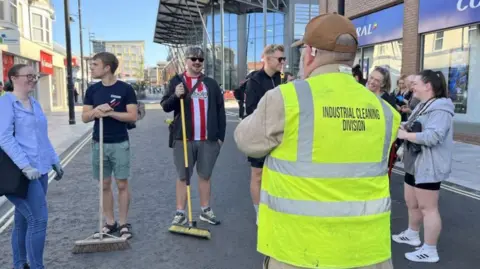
73,204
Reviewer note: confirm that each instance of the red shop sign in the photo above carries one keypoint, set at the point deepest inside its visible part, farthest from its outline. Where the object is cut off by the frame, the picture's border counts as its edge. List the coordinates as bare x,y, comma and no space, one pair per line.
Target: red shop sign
7,64
46,63
74,61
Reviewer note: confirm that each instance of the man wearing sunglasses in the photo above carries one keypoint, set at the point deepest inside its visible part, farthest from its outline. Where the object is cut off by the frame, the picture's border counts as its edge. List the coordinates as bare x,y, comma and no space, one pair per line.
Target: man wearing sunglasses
265,79
205,130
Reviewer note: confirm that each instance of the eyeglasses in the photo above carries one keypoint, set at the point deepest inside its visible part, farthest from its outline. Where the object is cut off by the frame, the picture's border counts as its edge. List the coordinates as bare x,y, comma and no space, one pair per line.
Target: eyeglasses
194,59
280,59
30,76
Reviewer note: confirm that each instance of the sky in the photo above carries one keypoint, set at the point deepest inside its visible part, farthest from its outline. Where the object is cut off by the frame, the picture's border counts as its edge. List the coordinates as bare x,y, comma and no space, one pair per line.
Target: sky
111,20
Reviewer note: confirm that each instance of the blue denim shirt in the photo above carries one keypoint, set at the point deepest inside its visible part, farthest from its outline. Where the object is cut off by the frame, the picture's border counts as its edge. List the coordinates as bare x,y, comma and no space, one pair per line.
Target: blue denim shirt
30,145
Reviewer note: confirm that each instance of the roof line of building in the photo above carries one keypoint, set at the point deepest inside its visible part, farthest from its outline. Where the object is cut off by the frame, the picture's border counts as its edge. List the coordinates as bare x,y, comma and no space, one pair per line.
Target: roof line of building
120,41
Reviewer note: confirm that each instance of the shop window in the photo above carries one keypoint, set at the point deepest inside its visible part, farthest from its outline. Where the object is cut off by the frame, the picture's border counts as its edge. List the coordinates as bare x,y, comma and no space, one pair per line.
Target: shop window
388,55
472,32
458,62
438,45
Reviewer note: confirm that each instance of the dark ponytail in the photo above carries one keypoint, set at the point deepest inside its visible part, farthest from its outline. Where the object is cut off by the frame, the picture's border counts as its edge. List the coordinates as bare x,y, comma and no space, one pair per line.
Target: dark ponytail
438,82
11,73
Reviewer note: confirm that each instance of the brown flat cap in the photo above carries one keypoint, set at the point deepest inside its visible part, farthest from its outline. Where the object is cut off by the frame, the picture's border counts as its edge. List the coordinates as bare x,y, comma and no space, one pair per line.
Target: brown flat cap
323,31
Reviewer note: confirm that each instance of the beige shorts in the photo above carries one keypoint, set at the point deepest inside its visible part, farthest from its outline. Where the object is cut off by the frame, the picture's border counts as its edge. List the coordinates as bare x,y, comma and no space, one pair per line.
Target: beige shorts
270,263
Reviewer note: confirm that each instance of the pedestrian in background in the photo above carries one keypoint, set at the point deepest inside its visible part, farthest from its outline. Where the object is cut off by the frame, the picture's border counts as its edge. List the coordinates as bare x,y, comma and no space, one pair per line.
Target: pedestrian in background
325,193
205,130
428,136
380,83
116,102
262,81
24,138
358,75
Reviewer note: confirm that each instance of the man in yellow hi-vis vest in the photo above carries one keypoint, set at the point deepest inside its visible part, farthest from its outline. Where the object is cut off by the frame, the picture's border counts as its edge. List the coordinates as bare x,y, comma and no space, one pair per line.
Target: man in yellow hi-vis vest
325,199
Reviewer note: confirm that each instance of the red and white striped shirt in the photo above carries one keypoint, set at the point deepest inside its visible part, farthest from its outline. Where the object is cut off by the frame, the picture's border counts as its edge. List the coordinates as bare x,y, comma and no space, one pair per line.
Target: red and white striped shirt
198,108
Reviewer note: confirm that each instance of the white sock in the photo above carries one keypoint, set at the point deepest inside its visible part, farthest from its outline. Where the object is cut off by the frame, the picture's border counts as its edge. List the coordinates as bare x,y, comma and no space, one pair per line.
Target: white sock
256,209
429,248
412,233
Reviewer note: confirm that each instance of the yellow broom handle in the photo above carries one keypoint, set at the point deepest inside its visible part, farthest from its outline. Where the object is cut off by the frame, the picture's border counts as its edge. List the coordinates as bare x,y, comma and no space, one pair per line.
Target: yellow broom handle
185,156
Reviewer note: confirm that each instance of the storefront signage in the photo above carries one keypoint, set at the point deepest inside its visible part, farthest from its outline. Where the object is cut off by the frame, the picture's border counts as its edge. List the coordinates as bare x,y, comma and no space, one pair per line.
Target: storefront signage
46,63
440,14
74,61
9,37
384,25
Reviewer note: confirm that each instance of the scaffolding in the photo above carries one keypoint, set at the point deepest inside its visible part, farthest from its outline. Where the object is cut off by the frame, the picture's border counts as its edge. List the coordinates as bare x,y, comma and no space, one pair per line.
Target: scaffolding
181,23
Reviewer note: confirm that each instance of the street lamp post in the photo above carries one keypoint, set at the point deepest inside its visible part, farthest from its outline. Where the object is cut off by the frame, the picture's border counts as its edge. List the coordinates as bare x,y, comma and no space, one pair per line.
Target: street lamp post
71,108
81,46
341,7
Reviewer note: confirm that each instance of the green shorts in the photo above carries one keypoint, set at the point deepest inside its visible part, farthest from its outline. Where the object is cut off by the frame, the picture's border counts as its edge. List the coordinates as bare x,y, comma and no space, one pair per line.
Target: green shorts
116,160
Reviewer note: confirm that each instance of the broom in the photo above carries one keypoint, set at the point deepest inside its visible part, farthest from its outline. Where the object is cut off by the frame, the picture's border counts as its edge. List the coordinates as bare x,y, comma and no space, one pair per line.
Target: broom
191,229
97,242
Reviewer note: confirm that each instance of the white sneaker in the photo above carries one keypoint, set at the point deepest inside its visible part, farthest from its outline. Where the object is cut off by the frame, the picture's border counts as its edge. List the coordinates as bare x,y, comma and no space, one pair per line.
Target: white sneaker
423,255
402,238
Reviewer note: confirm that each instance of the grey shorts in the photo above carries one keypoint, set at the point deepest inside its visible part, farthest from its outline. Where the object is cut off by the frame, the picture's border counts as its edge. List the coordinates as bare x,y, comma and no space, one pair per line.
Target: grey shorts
203,154
116,160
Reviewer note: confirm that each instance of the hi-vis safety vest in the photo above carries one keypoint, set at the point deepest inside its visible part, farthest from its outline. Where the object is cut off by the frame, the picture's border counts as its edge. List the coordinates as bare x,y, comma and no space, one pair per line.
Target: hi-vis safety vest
325,199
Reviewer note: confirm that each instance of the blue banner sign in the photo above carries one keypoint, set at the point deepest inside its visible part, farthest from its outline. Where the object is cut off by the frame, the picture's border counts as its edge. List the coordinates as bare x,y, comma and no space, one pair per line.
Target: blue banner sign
440,14
384,25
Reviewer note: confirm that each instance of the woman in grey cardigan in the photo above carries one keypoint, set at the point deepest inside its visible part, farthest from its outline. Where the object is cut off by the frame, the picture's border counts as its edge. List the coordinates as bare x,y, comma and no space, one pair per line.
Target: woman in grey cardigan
428,134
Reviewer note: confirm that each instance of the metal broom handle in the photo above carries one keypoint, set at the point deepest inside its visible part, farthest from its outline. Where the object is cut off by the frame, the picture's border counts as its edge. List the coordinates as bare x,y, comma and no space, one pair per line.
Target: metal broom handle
100,152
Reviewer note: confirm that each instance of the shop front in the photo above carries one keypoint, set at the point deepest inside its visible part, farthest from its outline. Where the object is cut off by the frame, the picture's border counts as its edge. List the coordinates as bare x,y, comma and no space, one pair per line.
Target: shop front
450,34
10,59
380,41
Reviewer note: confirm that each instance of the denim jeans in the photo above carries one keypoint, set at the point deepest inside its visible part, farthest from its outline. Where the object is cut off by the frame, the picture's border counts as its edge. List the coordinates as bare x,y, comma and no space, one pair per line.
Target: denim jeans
30,228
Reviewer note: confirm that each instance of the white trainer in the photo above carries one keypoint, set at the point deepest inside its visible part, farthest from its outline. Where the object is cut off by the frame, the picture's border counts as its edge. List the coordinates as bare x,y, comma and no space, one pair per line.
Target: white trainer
402,238
423,255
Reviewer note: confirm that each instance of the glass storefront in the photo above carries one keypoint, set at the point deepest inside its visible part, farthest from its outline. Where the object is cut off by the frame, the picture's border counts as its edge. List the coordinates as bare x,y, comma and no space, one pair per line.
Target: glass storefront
455,52
254,37
388,54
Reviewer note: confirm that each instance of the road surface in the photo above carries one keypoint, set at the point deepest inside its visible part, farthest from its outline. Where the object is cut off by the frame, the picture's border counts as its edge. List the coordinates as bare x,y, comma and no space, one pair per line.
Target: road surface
73,214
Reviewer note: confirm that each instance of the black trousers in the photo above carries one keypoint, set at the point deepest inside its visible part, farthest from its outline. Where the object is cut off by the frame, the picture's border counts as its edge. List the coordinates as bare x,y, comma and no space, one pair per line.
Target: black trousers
241,109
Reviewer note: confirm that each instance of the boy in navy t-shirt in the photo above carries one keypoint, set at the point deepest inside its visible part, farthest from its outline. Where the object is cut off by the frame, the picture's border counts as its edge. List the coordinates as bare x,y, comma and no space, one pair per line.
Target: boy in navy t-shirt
116,102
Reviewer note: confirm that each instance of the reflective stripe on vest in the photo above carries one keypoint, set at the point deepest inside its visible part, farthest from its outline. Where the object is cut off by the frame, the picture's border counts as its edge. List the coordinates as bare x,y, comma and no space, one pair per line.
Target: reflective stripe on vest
304,167
325,209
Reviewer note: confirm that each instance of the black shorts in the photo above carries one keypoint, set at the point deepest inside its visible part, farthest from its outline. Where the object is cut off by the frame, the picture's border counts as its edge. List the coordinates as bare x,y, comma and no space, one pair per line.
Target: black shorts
256,162
410,180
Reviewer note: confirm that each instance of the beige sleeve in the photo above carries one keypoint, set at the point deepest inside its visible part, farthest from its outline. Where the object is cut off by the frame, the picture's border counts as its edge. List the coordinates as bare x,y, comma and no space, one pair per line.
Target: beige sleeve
258,134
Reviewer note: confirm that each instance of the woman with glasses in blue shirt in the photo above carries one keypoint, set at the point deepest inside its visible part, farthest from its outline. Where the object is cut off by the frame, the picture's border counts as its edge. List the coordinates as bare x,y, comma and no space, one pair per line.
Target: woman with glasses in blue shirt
24,138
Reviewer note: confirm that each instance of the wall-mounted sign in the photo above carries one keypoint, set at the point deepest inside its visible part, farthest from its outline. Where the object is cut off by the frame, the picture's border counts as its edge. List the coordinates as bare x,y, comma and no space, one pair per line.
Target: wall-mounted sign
440,14
46,63
381,26
9,37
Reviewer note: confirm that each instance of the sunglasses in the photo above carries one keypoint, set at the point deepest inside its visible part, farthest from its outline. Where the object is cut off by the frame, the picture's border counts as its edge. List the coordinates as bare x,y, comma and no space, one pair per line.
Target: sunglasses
194,59
280,59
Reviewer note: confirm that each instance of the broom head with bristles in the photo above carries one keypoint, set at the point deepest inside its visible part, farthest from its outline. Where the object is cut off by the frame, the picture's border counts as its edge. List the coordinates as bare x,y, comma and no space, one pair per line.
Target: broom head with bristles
108,243
191,231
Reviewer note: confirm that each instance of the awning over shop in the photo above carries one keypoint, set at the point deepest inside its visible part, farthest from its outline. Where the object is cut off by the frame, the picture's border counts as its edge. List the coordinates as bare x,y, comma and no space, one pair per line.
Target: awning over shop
179,22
